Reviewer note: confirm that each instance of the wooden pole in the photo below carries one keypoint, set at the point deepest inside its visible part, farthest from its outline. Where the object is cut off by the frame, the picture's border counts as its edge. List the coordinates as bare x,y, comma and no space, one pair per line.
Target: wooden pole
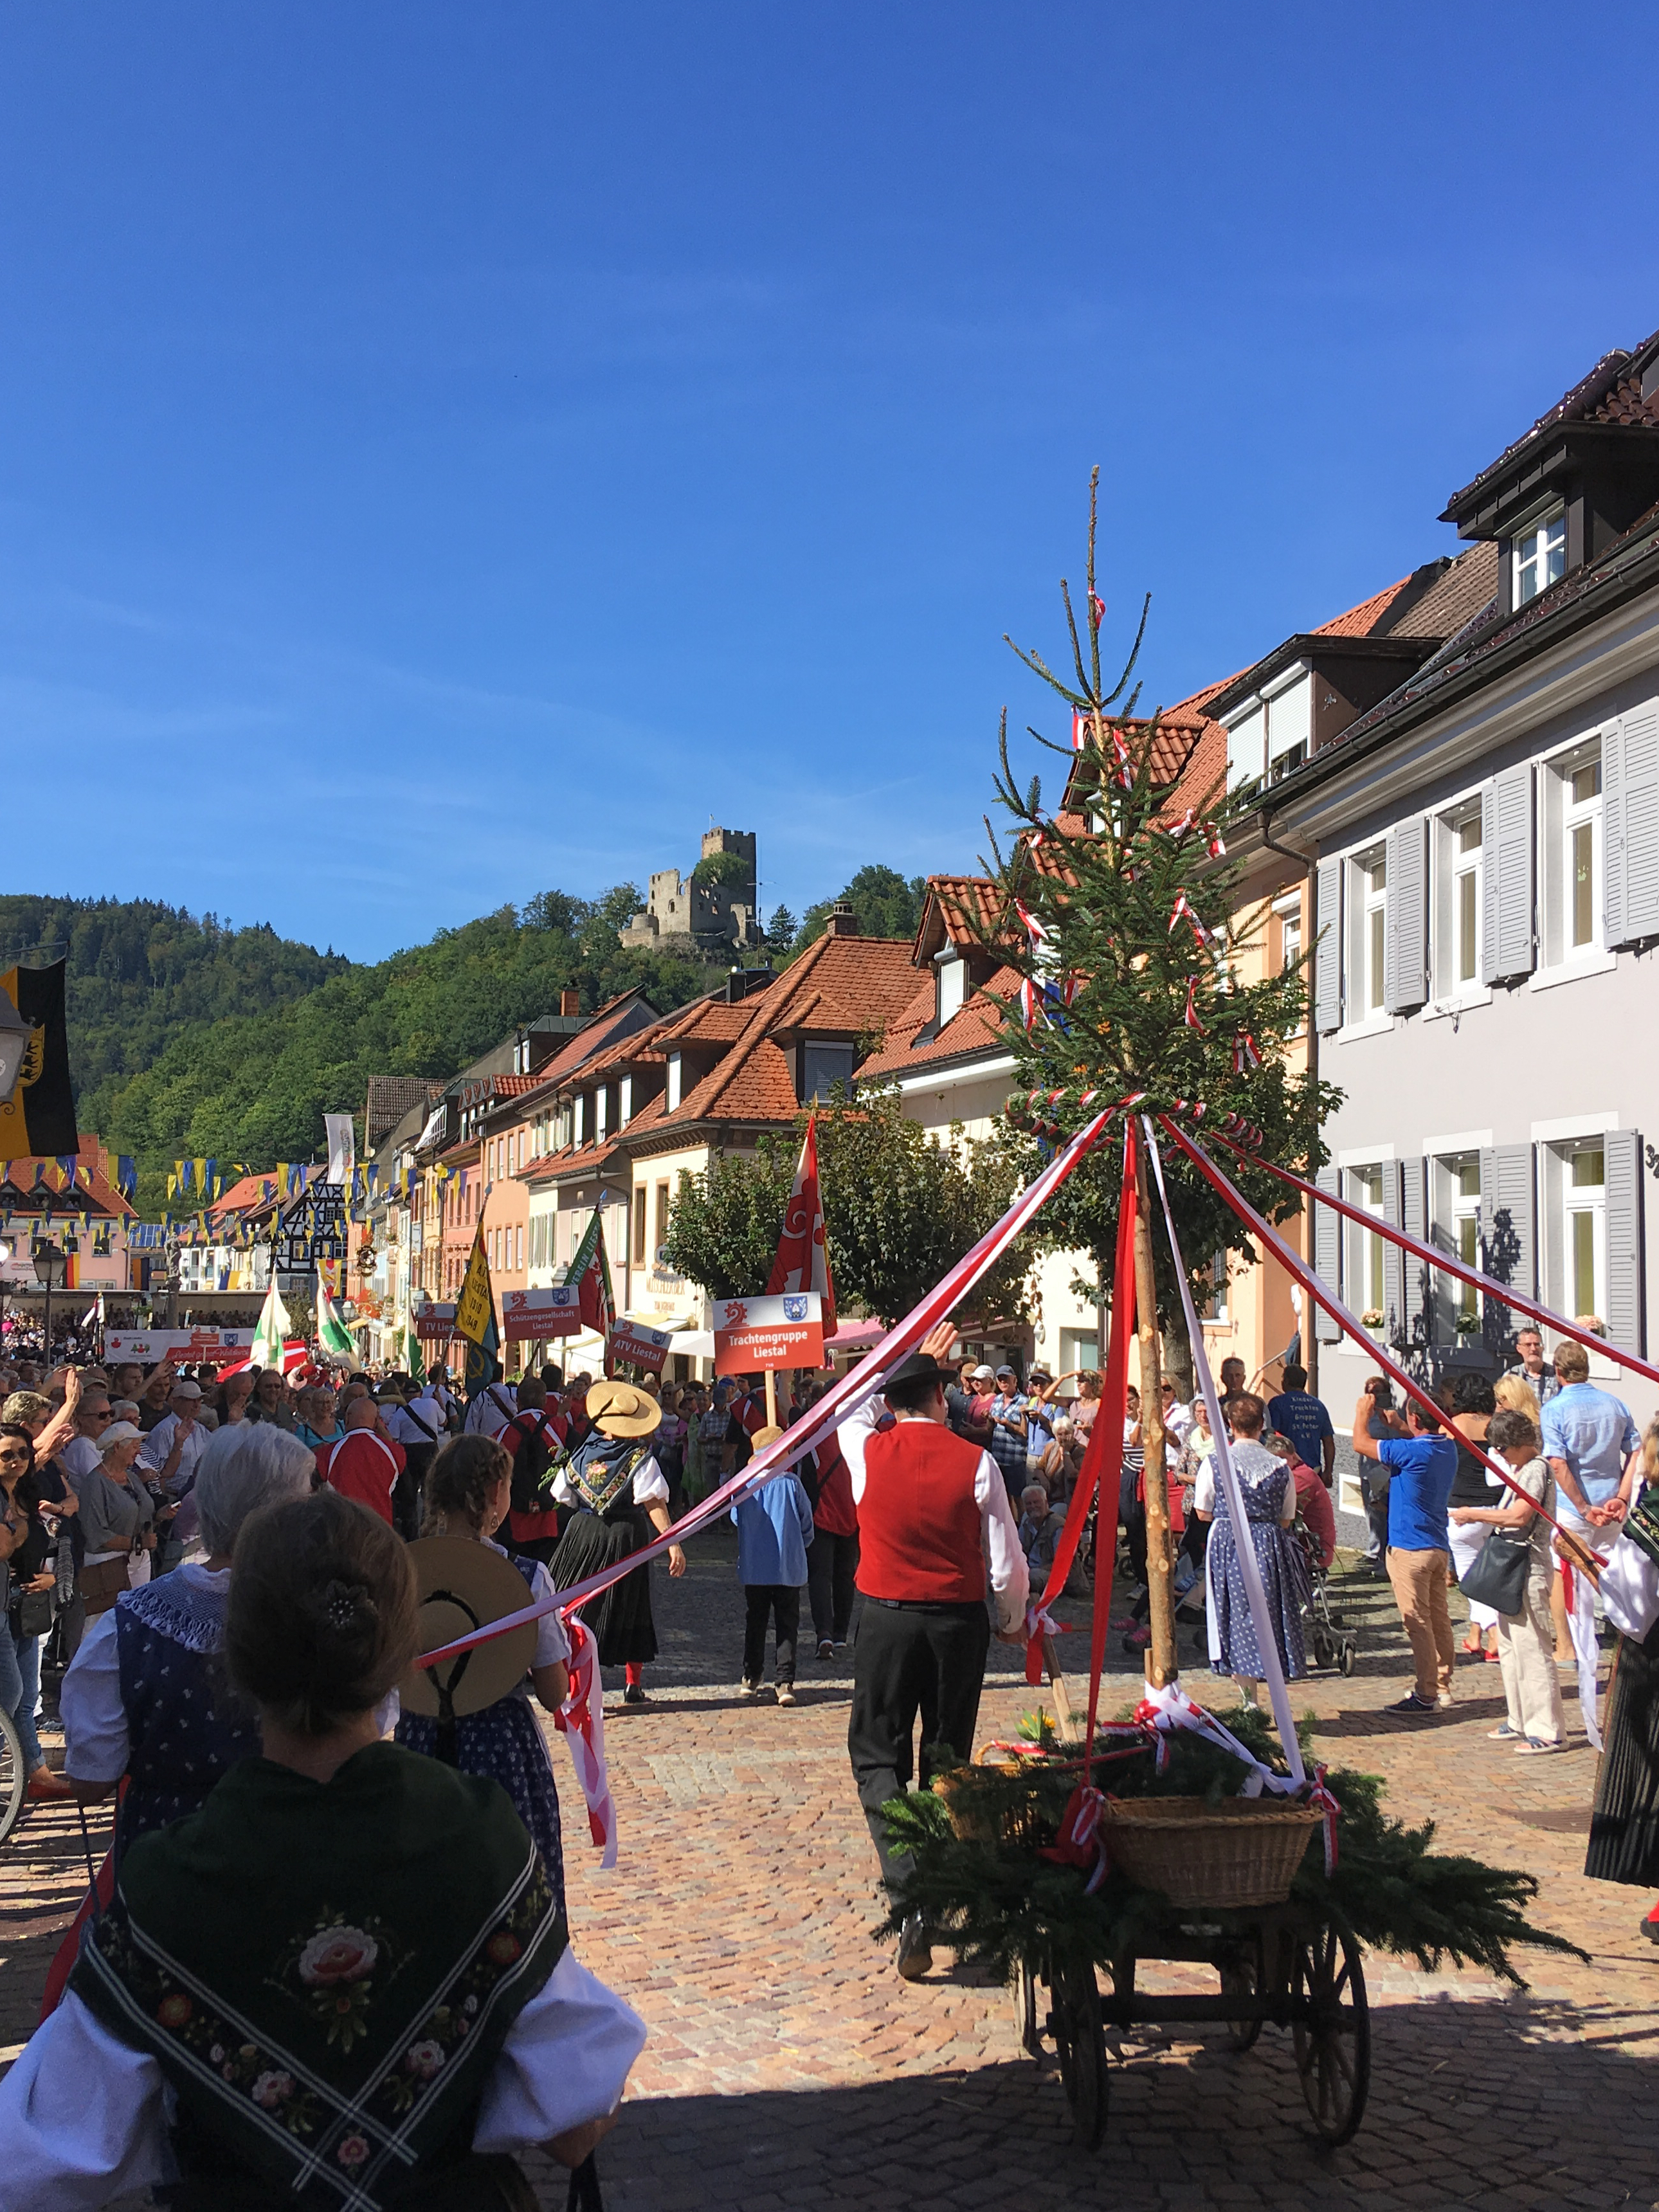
771,1399
1161,1664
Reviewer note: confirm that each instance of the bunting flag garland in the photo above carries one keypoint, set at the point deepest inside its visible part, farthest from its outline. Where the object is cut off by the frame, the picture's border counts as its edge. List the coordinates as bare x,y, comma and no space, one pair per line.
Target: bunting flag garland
126,1177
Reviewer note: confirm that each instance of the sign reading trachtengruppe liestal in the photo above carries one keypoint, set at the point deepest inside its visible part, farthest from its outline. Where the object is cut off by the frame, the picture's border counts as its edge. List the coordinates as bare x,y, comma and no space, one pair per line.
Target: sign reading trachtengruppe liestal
752,1335
526,1314
640,1345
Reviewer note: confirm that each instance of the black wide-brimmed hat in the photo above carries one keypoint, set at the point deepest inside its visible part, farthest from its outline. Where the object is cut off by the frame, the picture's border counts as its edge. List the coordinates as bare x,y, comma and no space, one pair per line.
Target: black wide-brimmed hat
919,1367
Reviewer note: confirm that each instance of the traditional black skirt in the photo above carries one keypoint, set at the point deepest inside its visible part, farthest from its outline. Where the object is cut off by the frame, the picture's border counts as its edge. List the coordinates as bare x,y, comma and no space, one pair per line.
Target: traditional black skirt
1623,1843
620,1618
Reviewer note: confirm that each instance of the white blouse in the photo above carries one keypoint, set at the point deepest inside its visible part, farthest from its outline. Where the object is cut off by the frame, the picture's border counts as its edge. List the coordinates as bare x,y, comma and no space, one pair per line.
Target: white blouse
648,1486
96,1745
84,2117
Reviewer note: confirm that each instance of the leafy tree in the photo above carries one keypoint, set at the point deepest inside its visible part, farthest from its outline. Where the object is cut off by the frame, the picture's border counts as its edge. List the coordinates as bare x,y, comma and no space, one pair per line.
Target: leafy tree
885,903
723,868
900,1209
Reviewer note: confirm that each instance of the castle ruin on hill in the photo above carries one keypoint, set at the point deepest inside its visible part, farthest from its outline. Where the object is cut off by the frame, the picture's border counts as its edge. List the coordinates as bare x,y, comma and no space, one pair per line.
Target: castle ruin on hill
705,917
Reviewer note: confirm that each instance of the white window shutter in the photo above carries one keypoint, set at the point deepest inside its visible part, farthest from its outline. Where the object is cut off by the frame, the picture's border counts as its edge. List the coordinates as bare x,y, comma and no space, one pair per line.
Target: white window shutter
1630,805
1625,1316
1406,923
1416,1312
1509,1230
1508,939
1327,1255
1328,960
1394,1273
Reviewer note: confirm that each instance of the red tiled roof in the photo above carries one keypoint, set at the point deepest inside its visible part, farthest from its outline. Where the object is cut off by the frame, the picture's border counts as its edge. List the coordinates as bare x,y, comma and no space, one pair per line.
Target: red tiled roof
1365,619
573,1161
1625,403
961,910
586,1041
249,1195
465,1148
1611,393
977,1027
752,1084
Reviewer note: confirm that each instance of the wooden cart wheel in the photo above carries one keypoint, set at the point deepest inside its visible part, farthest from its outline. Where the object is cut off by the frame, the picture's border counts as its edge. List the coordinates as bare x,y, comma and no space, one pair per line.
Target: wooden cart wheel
1333,2041
1080,2037
1023,1992
1242,1973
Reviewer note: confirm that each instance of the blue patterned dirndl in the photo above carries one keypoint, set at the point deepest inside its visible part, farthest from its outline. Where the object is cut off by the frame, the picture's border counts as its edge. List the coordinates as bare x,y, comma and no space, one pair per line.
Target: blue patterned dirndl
1234,1646
505,1742
183,1728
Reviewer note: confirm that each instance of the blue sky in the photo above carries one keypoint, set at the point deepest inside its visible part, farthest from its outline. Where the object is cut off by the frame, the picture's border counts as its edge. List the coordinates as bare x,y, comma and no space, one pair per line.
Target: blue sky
452,451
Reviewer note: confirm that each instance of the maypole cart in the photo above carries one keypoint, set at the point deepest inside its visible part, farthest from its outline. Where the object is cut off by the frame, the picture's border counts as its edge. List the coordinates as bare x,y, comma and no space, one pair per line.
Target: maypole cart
1289,1965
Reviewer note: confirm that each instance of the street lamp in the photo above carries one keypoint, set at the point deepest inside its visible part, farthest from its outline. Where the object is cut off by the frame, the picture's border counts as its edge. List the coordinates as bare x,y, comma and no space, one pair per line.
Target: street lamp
52,1273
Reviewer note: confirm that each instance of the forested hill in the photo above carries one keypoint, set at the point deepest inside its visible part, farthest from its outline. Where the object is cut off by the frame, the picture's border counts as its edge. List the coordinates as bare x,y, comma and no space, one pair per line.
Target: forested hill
141,973
190,1039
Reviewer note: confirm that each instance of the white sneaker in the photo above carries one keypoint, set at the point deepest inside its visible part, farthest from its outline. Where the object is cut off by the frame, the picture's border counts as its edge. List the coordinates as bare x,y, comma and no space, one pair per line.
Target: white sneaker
748,1689
785,1694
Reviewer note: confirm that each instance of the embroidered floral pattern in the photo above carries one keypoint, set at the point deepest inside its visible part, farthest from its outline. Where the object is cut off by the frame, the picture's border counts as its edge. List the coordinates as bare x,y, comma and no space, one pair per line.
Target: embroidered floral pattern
335,1966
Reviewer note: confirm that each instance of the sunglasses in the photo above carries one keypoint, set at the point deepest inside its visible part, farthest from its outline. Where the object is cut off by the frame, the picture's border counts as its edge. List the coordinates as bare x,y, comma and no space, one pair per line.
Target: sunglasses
105,1415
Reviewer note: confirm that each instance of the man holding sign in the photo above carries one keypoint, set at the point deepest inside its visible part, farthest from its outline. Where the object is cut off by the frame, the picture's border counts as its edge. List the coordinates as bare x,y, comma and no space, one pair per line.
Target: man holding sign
934,1527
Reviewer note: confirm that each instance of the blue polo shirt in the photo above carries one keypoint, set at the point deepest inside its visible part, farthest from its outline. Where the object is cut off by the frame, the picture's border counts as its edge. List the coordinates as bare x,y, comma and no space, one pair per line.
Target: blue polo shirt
1421,1470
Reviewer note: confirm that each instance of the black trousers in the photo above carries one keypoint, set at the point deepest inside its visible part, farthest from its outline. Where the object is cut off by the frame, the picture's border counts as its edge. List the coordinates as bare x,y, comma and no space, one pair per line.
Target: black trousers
831,1564
767,1601
910,1660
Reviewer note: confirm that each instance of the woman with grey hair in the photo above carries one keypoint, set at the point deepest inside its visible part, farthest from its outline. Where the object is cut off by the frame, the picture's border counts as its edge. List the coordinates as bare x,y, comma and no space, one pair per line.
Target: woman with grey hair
144,1696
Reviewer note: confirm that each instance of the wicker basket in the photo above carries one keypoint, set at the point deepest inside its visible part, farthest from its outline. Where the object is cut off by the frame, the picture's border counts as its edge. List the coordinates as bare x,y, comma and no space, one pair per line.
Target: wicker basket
1245,1850
974,1824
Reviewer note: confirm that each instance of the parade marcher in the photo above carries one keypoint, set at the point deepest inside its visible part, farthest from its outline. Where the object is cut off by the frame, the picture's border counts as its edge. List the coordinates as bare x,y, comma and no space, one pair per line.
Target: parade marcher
490,1412
532,1440
620,1496
934,1522
143,1698
1269,1497
365,1464
366,1937
494,1732
774,1528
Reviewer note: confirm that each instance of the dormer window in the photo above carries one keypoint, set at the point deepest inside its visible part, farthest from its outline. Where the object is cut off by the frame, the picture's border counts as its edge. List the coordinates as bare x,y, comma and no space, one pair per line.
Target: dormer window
578,1118
624,1102
601,1099
1539,554
673,1081
951,986
822,1066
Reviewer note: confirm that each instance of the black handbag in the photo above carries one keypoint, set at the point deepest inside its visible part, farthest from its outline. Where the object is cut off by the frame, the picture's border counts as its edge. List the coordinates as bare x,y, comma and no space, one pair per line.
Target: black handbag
1642,1523
31,1612
1498,1576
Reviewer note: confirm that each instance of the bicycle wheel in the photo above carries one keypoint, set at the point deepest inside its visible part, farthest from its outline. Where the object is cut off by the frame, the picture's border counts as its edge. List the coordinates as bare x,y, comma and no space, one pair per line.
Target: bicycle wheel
13,1779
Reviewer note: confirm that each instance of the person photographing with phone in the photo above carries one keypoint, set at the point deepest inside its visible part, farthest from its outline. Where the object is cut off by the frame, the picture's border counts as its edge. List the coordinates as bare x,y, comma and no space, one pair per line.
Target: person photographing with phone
1421,1463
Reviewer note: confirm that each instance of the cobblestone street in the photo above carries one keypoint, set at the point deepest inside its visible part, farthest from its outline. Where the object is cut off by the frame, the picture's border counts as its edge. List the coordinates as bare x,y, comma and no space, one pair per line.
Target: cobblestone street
789,2066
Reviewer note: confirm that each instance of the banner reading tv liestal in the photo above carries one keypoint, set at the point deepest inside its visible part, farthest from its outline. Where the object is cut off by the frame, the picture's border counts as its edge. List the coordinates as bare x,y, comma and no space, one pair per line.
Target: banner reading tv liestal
38,1115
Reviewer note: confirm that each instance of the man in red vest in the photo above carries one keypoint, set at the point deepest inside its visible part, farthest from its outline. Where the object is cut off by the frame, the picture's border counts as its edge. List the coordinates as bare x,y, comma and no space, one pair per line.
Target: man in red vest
935,1529
365,1463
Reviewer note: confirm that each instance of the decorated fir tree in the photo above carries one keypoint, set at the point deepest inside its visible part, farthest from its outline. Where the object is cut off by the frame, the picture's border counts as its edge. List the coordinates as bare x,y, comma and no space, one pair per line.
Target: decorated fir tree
1119,910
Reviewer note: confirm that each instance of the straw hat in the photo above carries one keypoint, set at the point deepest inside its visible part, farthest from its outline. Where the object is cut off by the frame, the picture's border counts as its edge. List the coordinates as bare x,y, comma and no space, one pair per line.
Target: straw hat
465,1585
618,1409
762,1438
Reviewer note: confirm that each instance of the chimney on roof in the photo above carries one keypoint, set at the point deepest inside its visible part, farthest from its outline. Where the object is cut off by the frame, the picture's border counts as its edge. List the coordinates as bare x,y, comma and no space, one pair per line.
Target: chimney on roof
841,920
570,1002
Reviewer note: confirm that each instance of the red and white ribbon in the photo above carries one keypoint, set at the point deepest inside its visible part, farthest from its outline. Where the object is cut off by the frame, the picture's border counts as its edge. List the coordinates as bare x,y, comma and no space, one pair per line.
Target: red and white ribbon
1190,1017
582,1720
1182,911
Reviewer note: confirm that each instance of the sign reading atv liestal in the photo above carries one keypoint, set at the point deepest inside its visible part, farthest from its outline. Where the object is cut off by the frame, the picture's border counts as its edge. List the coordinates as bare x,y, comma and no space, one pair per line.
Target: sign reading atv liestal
313,1228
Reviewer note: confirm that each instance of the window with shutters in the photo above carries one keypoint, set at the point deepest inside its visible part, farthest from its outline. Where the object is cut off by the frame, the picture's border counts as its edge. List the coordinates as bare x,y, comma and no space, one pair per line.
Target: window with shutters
1368,905
1574,1209
1287,912
1573,879
641,1200
662,1220
1454,1198
1213,1304
1459,882
1539,557
1367,1269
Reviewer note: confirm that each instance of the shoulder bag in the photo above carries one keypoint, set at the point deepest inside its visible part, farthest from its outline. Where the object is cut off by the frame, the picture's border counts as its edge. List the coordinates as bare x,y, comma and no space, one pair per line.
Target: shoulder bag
1499,1575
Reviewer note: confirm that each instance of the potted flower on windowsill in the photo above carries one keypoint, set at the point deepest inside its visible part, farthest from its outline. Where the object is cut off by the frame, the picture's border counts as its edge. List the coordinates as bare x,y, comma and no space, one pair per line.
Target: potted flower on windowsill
1372,1319
1468,1323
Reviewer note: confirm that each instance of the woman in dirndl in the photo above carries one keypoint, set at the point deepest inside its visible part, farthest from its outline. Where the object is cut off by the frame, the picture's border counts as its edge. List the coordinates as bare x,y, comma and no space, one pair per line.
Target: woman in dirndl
1269,1496
465,1579
620,1495
1624,1839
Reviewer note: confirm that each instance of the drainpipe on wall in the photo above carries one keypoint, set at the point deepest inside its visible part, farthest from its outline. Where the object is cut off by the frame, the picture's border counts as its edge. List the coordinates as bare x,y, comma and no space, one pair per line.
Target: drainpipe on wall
1309,864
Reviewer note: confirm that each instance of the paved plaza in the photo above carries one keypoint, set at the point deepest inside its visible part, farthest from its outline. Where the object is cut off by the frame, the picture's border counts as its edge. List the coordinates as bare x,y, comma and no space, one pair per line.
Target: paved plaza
789,2066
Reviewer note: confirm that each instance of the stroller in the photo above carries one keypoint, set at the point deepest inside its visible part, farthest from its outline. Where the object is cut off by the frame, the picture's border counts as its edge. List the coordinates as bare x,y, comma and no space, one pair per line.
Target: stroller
1330,1641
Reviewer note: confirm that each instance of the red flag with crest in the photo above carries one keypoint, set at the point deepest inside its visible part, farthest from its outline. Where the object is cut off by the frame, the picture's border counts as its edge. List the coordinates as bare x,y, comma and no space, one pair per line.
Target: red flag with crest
803,1261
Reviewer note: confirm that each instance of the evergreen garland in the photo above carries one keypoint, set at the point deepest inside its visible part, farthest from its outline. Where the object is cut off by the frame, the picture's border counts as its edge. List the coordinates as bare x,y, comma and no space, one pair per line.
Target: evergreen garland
998,1902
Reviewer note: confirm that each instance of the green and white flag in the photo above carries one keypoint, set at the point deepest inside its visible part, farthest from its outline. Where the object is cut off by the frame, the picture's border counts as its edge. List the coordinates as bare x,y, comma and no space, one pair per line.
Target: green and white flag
334,1339
266,1350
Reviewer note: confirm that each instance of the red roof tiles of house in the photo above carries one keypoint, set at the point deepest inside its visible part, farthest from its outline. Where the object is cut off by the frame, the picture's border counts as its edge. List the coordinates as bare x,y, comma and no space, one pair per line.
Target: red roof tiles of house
249,1195
977,1027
